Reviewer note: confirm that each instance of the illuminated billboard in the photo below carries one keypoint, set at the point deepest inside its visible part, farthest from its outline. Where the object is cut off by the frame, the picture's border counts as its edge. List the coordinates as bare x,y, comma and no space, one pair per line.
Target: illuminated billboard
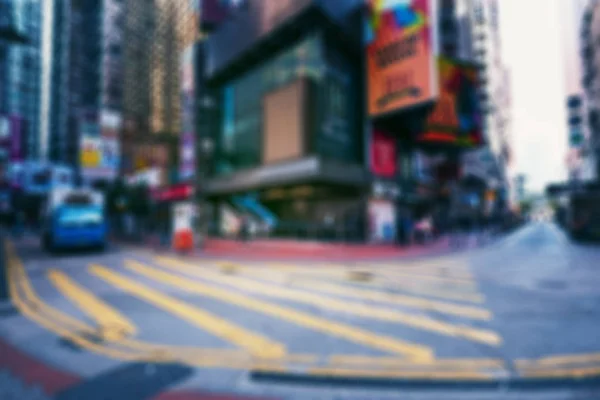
400,50
99,150
456,117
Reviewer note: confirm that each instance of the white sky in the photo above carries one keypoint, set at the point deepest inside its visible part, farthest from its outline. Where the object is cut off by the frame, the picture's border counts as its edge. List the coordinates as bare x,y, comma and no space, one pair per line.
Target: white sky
532,47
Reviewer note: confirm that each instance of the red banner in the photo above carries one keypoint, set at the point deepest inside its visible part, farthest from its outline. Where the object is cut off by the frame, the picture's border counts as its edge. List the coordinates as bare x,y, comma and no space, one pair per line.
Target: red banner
383,154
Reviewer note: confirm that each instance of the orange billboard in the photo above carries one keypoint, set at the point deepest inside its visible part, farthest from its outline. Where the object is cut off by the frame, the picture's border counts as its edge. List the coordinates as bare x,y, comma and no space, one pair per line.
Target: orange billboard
400,55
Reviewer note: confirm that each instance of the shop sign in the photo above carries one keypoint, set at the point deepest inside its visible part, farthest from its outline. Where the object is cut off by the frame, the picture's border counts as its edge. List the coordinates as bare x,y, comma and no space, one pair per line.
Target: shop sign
383,154
400,54
173,193
91,152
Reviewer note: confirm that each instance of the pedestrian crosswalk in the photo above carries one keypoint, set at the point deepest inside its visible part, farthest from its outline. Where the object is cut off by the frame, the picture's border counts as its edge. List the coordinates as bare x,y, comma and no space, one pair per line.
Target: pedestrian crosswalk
351,324
113,324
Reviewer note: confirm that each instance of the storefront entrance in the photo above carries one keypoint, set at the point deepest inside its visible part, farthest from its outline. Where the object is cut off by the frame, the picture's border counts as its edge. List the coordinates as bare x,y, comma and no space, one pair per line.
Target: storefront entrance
311,211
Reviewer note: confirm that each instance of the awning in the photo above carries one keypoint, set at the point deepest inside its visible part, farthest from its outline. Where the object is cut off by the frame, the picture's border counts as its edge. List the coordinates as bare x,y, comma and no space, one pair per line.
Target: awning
311,169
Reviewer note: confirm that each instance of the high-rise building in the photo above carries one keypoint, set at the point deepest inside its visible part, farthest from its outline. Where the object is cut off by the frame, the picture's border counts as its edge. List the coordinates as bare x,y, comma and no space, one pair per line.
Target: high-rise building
175,28
590,65
156,35
481,44
96,86
138,37
20,72
579,162
54,142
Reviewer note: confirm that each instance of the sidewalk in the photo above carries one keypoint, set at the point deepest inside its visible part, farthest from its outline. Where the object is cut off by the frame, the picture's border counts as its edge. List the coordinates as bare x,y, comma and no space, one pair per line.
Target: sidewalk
22,377
281,249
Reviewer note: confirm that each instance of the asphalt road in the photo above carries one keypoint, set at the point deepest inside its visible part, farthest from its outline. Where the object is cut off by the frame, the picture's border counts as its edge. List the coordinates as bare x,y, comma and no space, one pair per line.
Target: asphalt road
519,318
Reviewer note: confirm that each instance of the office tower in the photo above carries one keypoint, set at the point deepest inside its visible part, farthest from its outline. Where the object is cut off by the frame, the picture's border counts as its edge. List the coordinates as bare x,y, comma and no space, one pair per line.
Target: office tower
96,87
20,73
590,65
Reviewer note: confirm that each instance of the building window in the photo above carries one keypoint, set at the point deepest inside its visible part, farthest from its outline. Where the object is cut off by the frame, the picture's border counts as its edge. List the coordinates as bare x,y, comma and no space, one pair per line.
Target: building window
241,124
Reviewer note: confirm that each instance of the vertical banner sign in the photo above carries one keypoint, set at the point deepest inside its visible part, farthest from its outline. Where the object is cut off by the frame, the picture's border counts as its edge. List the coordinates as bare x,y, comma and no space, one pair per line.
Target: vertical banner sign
400,45
383,154
110,126
187,167
90,147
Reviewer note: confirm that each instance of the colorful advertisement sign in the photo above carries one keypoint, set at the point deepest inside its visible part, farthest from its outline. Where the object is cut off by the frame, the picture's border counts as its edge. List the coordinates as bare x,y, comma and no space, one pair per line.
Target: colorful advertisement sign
383,154
90,153
456,117
400,45
99,145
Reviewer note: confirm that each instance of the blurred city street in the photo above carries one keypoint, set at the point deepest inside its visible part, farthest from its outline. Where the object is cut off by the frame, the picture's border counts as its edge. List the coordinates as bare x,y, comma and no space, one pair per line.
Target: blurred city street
518,317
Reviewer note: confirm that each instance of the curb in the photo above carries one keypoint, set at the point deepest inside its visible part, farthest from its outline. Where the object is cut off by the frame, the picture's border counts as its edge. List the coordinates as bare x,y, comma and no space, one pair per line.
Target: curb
514,383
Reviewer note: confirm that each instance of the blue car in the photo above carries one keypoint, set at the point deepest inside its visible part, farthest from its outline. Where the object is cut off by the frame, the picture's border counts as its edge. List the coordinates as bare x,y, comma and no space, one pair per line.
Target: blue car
76,222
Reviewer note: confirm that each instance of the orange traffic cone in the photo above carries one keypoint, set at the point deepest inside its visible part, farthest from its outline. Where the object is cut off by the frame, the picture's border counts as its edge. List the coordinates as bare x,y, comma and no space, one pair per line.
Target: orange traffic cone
183,241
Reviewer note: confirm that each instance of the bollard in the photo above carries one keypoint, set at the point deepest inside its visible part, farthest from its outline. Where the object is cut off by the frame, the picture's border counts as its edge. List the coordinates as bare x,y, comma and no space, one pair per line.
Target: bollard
4,292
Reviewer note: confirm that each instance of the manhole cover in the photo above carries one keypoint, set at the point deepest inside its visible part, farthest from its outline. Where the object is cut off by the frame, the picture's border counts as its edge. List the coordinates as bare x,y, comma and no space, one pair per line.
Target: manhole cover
552,285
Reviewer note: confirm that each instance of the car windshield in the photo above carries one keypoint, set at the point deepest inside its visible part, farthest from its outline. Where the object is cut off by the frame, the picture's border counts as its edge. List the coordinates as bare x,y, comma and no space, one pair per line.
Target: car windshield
80,215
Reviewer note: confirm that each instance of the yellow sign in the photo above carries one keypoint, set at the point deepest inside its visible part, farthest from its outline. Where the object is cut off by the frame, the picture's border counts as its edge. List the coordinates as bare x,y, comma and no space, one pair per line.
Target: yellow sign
91,155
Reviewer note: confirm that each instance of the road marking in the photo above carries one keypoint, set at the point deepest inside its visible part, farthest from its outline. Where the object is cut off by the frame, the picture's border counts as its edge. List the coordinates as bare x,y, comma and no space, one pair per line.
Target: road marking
344,306
392,374
254,343
340,274
448,272
385,284
35,310
561,373
398,299
78,332
439,290
458,268
344,331
440,279
559,360
113,325
319,300
395,362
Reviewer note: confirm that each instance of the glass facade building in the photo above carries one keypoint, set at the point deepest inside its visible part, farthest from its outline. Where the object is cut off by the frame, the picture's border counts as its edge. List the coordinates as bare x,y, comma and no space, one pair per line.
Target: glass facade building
20,70
335,132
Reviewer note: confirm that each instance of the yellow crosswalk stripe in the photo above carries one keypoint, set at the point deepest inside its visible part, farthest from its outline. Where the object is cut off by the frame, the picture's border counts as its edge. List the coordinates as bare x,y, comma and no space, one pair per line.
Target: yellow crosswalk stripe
394,362
341,330
398,299
113,325
344,306
457,269
559,360
385,284
254,343
405,374
582,372
447,271
397,275
319,300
